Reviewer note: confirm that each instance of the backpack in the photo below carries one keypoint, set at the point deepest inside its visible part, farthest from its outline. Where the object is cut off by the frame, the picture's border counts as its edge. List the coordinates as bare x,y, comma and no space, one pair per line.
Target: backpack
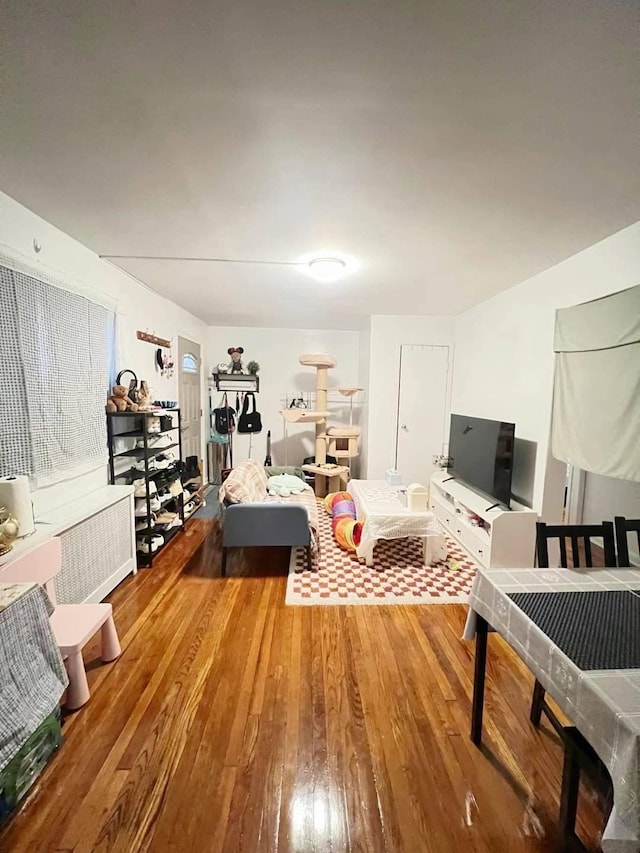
249,421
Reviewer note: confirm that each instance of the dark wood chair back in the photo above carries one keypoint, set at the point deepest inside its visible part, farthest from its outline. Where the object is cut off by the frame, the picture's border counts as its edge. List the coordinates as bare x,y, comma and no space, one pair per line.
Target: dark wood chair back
623,527
579,535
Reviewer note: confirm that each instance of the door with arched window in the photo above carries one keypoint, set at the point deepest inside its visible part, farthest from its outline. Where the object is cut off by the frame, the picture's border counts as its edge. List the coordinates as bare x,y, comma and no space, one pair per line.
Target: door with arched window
189,390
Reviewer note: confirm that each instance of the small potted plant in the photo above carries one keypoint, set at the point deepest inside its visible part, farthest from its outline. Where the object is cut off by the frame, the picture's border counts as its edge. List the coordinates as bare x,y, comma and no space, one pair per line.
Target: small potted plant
253,367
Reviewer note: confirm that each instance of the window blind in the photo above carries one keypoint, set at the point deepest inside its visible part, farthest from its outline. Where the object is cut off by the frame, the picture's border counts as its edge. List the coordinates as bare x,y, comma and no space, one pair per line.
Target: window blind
57,349
596,404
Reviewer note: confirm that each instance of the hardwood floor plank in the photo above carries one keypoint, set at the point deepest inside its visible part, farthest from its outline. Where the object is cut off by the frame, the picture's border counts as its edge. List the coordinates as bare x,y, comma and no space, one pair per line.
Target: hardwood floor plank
235,723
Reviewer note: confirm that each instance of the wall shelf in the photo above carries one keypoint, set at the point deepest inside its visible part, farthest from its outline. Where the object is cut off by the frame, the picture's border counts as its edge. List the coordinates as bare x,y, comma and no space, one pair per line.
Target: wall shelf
237,382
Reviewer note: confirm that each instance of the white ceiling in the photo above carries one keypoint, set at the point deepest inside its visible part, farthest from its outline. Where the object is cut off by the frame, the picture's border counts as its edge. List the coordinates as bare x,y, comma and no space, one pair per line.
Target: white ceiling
454,147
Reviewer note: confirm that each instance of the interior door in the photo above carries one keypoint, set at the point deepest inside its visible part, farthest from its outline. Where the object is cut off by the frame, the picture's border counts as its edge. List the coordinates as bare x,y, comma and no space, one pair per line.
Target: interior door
423,396
189,389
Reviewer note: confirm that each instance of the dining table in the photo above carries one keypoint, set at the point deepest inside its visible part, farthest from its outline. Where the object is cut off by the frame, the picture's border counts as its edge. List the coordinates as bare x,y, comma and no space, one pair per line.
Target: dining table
578,632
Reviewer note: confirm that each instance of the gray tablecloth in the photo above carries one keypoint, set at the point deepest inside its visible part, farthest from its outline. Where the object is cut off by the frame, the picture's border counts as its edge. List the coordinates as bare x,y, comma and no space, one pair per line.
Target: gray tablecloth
603,704
32,675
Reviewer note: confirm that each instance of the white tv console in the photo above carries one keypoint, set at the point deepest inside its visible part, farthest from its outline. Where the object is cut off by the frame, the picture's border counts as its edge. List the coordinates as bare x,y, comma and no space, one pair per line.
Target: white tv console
496,538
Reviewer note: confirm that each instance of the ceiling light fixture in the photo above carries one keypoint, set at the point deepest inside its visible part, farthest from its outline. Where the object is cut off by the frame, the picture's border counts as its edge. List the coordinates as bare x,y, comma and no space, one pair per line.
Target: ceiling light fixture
327,269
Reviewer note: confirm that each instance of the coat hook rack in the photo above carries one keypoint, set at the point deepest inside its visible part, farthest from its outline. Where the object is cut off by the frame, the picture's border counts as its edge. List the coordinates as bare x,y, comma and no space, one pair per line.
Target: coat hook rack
153,339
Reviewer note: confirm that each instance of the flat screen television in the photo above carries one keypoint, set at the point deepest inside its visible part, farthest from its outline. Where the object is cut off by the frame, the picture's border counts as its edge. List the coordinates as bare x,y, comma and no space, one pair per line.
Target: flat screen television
481,455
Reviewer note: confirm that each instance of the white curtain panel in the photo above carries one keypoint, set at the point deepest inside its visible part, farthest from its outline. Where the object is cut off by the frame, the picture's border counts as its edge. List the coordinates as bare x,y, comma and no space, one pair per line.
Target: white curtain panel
57,359
596,404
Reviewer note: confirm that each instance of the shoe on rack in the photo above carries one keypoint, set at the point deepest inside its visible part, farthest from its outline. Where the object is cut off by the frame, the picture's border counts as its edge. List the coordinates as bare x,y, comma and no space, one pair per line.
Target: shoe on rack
145,465
192,466
189,508
165,517
165,495
140,488
164,460
141,506
175,487
153,425
142,524
150,544
154,442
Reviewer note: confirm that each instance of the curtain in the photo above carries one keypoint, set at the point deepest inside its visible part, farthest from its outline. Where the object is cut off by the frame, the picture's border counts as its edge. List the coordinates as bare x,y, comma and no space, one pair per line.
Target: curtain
57,349
596,404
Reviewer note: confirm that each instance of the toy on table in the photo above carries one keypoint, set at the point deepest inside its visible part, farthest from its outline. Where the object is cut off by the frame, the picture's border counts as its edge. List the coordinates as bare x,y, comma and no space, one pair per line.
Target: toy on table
346,530
119,400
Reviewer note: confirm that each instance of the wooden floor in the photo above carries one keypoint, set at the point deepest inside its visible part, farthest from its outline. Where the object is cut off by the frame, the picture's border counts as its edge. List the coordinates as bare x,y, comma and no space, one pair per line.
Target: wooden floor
234,723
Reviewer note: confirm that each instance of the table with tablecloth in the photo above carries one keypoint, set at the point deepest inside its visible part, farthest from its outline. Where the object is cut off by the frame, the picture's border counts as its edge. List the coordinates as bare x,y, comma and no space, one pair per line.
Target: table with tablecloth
385,516
32,674
604,702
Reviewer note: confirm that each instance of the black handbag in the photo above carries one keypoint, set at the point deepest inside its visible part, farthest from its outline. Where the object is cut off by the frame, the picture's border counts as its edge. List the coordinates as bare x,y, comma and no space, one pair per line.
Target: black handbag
224,418
249,421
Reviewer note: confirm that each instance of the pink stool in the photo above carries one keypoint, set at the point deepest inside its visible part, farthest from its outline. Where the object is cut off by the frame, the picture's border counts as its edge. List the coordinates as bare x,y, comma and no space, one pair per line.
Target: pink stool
73,624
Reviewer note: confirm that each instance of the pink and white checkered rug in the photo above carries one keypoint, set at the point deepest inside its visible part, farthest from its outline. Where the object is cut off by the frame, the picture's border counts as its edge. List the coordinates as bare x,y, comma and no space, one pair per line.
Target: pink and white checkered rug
396,577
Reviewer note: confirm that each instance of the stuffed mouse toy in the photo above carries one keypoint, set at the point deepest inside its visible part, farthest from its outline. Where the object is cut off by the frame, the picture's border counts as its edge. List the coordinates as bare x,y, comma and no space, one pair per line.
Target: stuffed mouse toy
236,359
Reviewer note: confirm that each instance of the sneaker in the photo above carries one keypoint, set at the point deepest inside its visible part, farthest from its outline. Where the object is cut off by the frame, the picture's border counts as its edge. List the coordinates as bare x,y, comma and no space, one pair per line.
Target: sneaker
164,460
165,495
189,508
175,488
145,465
153,425
150,544
142,525
140,488
155,442
166,518
141,506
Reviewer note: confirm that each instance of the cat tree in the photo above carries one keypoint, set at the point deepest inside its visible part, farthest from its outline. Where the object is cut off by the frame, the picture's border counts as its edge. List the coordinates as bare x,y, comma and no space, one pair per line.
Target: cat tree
342,440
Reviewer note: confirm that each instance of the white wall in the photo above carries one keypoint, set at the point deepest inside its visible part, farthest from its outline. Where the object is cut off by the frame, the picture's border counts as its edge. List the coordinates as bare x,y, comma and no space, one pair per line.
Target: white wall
137,308
388,333
277,351
504,349
364,381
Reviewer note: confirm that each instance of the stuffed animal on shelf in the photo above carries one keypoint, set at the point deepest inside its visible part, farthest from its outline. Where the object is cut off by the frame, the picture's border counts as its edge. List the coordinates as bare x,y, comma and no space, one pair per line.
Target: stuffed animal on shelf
144,397
119,400
236,359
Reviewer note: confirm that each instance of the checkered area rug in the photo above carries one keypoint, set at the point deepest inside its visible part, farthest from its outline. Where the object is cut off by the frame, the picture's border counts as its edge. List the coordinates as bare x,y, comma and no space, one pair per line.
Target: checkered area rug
396,577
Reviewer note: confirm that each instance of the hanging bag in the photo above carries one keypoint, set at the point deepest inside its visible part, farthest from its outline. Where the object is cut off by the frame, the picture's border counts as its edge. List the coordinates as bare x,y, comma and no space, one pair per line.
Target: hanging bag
224,418
250,421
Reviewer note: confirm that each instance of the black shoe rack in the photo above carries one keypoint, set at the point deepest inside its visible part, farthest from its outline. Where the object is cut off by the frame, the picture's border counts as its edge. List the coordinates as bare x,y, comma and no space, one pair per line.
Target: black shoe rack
126,427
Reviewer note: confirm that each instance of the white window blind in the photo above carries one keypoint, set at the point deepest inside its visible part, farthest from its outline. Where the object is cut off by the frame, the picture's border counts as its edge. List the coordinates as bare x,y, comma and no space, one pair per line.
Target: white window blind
56,349
596,404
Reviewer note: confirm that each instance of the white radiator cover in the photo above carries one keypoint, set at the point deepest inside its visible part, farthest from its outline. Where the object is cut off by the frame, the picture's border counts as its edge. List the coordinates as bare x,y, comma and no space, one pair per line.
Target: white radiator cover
94,554
98,543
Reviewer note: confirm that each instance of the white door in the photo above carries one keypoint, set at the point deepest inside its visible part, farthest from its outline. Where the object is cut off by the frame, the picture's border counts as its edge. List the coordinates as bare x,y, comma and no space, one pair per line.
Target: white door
189,389
422,410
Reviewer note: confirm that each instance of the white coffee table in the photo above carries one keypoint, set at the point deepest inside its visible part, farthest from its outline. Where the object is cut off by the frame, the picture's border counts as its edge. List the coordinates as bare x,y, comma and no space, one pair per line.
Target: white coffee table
385,516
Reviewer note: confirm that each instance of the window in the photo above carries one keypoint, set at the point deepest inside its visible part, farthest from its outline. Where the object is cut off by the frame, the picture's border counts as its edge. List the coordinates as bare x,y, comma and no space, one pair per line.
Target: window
189,363
56,351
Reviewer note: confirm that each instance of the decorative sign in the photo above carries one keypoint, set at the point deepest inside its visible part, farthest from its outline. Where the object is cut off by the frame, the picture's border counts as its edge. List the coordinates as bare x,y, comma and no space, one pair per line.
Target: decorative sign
153,339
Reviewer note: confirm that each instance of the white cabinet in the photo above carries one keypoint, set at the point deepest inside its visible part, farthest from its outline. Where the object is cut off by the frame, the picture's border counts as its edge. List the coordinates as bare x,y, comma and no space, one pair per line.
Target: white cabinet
495,538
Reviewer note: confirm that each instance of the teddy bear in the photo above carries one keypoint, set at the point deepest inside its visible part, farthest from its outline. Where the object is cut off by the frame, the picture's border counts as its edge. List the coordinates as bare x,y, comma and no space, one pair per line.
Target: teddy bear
119,401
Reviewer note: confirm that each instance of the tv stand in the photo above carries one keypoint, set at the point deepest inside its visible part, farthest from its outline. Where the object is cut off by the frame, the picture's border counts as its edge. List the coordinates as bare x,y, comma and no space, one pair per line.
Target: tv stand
495,537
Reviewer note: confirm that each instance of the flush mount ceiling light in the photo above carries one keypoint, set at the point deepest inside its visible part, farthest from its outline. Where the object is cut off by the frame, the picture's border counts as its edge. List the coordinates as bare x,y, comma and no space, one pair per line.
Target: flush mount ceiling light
327,269
321,266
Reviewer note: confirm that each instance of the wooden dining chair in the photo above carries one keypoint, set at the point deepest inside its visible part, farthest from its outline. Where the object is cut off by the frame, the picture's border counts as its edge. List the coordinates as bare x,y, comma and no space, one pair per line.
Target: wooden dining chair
578,754
73,625
624,526
580,536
